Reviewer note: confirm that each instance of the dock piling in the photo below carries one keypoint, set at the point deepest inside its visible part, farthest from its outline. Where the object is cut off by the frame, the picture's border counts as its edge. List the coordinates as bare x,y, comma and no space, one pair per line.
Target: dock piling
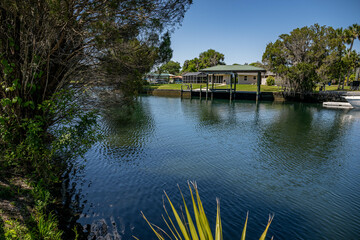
258,86
231,78
191,90
200,92
207,86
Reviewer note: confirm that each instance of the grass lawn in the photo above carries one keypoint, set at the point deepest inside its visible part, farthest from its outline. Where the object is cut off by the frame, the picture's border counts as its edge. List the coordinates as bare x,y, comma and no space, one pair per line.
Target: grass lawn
175,86
239,87
333,88
252,88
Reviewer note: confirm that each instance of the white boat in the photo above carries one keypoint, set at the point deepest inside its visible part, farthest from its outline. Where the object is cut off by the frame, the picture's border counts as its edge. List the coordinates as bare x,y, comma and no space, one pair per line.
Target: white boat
353,100
344,105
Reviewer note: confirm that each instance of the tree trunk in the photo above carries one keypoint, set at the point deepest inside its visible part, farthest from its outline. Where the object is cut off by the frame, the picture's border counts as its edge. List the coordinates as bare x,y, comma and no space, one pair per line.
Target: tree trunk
339,85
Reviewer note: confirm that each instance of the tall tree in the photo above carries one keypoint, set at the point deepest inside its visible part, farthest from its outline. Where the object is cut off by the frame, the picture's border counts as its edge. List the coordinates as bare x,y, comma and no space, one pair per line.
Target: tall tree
47,44
170,67
306,55
206,59
352,33
211,58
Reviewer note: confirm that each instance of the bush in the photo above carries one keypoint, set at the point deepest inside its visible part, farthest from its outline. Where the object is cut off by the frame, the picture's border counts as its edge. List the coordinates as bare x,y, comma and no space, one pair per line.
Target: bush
270,81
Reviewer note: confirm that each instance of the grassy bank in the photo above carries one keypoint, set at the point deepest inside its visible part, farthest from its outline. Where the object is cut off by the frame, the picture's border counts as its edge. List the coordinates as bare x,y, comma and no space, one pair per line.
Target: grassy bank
26,210
239,87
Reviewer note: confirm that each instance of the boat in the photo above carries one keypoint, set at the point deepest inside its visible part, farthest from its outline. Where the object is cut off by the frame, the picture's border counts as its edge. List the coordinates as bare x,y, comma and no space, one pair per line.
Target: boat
344,105
353,100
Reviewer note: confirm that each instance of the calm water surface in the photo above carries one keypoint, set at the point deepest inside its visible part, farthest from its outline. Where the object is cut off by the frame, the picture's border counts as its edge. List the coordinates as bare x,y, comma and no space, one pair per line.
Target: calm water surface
298,161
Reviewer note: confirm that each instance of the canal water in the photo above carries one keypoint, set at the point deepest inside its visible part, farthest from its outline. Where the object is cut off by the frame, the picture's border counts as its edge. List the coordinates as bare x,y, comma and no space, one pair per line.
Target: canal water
298,161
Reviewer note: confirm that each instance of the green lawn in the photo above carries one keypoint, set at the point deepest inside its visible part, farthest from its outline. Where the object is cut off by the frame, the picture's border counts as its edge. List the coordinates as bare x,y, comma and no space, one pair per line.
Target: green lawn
239,87
251,88
333,88
174,86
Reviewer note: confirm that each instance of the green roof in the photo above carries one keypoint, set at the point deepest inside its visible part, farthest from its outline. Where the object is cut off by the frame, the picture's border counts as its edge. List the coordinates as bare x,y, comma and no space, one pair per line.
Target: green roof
160,75
233,68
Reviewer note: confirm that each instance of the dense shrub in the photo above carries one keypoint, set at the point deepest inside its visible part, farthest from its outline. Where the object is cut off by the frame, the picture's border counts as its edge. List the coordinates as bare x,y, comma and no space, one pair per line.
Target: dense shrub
270,81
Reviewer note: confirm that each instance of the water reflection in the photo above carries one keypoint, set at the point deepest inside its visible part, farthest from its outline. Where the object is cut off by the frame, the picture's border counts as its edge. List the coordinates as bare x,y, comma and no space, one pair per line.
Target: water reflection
284,158
126,130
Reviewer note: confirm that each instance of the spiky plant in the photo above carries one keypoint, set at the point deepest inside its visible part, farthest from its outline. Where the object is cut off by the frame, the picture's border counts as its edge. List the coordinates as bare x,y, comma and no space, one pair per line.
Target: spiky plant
187,229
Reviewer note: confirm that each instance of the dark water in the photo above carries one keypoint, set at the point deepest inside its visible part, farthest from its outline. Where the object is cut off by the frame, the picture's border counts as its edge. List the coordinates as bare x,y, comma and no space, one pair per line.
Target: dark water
298,161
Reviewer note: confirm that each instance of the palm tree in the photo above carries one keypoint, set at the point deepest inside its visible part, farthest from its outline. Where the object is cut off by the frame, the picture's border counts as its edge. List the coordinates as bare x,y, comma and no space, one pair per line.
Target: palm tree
339,36
350,35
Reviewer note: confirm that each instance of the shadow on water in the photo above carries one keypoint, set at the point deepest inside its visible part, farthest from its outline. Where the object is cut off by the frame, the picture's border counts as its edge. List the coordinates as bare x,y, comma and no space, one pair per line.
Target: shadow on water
125,130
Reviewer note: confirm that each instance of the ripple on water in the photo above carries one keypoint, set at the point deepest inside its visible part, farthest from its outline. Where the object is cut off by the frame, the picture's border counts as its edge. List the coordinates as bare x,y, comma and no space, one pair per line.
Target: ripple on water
293,160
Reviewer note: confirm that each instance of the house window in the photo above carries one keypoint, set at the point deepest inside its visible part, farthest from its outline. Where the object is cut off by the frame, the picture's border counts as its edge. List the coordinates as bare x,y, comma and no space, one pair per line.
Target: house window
254,78
245,78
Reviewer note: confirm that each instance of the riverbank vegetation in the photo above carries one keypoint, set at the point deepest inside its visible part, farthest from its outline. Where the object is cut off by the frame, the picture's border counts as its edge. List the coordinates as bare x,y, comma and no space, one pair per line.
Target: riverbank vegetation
51,52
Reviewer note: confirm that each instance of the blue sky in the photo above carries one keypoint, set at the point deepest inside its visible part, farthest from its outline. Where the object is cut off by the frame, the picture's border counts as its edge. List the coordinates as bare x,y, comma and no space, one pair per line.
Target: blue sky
242,29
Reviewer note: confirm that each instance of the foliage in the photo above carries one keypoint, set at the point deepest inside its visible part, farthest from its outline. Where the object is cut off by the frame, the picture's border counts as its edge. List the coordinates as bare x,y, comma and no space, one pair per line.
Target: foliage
270,81
14,230
257,64
170,67
351,34
206,59
352,77
50,52
188,229
46,222
48,46
309,55
42,223
296,56
60,129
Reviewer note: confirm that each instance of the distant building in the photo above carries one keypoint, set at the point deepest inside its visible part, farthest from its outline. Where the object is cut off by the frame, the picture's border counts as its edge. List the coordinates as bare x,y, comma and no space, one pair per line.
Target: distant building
153,78
175,79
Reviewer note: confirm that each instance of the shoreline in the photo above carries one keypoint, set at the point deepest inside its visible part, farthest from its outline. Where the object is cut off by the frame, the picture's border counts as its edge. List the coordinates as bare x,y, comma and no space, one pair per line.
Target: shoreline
315,97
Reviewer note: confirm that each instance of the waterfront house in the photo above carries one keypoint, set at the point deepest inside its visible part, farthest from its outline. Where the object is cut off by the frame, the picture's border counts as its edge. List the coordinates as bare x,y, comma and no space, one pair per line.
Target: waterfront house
194,77
153,78
241,74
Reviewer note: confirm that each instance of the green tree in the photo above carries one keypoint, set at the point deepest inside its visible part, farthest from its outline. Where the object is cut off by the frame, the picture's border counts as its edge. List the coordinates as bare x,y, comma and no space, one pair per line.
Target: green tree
334,62
170,67
206,59
352,33
50,46
257,64
211,58
305,56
